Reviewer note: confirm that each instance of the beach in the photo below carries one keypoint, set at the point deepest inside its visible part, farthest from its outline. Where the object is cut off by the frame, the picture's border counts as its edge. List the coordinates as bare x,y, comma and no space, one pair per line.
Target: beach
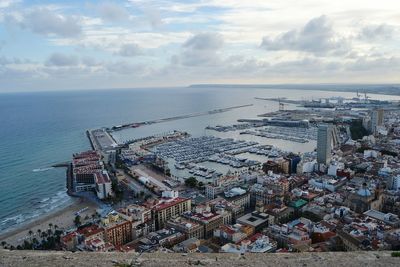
63,218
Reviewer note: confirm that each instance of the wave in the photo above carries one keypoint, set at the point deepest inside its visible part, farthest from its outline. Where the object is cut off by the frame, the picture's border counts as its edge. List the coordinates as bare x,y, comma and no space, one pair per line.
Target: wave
43,169
46,205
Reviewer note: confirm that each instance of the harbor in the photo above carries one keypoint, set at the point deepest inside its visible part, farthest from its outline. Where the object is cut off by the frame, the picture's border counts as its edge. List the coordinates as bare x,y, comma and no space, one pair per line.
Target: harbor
179,117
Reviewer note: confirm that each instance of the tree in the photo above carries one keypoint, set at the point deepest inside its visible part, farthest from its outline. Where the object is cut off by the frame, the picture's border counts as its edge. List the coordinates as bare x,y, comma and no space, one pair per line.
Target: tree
3,243
77,220
191,182
27,245
30,234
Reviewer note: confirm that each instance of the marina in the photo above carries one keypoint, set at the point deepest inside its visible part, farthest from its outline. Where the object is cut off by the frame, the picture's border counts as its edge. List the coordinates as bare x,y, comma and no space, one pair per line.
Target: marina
300,135
199,149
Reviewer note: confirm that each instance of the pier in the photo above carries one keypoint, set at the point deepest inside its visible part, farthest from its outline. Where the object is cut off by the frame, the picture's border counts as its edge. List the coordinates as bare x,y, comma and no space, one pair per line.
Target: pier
179,117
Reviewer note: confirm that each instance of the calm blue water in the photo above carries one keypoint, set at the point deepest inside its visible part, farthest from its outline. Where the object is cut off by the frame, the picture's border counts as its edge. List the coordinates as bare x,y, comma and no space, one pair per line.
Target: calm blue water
41,129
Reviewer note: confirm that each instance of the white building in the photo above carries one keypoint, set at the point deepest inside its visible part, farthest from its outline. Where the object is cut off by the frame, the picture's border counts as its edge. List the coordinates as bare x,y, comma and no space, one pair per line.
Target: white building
370,154
103,184
334,167
170,194
394,182
306,166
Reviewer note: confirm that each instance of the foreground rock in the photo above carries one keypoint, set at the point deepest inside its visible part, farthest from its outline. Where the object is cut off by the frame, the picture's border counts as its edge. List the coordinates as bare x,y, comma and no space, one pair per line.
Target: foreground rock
39,258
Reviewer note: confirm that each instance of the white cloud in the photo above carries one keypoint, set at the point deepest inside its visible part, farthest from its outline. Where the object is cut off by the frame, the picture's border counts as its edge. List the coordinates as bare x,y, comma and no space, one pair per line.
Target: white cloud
8,3
380,32
200,49
130,50
61,60
112,12
317,37
46,21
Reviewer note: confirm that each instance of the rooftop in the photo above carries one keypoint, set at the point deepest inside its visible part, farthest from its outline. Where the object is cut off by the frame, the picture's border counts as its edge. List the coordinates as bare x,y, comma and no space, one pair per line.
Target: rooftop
168,202
102,177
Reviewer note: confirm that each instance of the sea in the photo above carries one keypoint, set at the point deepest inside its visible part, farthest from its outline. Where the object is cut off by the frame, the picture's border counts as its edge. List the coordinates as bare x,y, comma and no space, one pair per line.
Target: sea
40,129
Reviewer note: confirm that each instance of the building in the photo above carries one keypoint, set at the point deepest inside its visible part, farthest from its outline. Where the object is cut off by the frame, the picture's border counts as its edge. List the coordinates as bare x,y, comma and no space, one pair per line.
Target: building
84,165
256,220
293,160
103,184
263,194
69,241
190,228
188,246
298,238
221,184
166,237
327,183
324,143
165,209
233,233
223,206
117,230
363,199
238,196
393,182
258,243
140,217
388,218
377,117
209,220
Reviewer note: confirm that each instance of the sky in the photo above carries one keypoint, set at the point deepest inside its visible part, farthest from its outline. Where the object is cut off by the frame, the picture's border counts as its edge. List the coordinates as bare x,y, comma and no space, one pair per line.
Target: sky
78,44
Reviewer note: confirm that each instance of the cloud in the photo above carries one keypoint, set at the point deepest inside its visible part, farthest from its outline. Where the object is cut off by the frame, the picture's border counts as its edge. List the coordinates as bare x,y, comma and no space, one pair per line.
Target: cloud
130,50
126,68
61,60
46,22
317,37
205,41
200,49
8,3
112,12
377,32
90,61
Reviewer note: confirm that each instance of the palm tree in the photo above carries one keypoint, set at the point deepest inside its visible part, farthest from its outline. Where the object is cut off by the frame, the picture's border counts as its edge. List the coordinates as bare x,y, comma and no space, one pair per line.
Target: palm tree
30,234
44,234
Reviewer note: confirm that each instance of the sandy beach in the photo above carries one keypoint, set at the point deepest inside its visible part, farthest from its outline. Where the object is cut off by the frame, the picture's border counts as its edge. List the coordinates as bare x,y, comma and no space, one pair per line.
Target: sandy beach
63,218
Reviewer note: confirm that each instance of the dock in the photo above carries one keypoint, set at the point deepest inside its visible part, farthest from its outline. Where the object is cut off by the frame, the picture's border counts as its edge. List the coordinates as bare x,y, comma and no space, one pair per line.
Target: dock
179,117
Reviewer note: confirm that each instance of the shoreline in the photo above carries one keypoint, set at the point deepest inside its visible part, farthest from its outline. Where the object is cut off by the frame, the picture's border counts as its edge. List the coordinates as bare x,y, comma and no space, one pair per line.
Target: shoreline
63,218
